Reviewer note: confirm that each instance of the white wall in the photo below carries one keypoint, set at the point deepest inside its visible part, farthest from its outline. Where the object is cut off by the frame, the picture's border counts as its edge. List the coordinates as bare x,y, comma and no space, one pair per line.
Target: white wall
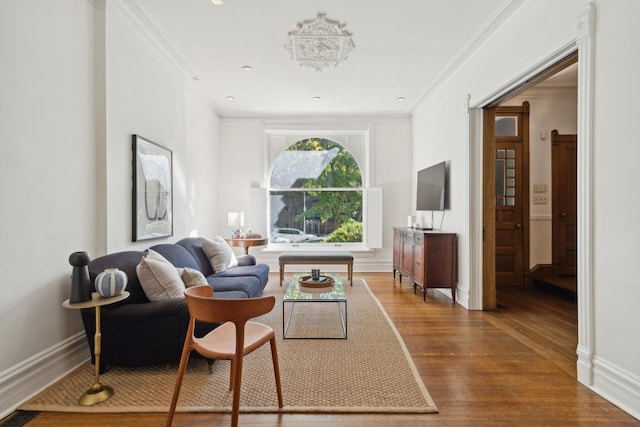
617,199
77,80
47,171
197,169
536,32
150,96
242,147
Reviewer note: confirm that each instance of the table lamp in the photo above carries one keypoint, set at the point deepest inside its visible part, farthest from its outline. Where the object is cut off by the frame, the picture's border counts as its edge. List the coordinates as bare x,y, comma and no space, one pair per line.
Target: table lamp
235,220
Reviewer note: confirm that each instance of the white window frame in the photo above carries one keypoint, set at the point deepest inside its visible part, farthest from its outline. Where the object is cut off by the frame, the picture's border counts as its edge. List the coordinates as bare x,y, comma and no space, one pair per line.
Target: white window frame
357,141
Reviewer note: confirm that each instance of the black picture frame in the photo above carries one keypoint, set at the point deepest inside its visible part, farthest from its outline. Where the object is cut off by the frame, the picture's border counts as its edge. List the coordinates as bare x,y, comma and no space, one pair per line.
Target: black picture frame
152,193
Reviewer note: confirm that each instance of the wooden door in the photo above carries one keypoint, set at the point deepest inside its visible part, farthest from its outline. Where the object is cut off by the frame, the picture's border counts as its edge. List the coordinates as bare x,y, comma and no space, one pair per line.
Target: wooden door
489,296
511,194
564,173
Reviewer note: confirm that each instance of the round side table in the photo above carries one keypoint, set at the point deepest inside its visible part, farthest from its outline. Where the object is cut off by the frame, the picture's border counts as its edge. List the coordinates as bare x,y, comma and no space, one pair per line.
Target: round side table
97,393
246,243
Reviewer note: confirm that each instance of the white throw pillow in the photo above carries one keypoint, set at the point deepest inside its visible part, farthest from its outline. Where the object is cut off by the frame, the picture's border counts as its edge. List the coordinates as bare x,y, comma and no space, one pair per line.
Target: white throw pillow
192,277
220,254
159,278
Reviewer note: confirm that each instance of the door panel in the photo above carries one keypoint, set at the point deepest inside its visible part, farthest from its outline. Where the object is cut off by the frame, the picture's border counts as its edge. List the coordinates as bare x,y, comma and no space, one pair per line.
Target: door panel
511,195
564,159
509,238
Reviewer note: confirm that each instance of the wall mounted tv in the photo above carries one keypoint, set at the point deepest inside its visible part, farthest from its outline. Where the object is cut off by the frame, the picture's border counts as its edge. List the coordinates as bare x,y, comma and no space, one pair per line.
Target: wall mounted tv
432,188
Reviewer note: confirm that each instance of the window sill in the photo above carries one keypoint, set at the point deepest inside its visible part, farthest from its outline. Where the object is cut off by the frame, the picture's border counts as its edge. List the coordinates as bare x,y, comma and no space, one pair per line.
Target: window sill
276,249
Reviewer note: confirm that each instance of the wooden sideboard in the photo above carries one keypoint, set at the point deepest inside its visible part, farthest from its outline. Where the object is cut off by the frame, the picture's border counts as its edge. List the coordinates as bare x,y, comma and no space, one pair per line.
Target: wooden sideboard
428,258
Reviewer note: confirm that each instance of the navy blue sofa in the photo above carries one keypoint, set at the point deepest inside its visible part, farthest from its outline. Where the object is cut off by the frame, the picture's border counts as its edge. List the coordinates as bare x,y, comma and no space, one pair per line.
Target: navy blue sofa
137,332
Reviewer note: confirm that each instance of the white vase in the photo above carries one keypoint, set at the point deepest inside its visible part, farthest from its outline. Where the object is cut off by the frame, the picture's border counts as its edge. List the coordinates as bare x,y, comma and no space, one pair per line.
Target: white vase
111,282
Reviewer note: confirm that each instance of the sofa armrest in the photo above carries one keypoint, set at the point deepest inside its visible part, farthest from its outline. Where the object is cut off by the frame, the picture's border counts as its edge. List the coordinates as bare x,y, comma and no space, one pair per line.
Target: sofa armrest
139,334
246,260
128,314
167,307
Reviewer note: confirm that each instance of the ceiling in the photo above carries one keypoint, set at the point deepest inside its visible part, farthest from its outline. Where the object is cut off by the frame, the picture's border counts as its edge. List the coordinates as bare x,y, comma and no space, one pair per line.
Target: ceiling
402,49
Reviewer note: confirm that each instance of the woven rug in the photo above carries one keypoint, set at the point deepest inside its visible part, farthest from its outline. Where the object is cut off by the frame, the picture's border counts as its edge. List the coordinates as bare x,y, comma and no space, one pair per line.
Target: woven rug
369,372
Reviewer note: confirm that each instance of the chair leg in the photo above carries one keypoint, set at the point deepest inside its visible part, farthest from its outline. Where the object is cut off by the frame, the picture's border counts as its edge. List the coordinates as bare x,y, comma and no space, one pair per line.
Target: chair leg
176,391
237,385
184,359
276,369
232,374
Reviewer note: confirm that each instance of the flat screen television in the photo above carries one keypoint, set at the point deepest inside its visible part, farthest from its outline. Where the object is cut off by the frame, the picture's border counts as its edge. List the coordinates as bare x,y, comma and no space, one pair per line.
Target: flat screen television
432,188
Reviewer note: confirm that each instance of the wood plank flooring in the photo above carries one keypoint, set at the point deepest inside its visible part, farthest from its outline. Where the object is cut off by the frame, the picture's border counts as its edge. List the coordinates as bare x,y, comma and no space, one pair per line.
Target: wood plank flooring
480,368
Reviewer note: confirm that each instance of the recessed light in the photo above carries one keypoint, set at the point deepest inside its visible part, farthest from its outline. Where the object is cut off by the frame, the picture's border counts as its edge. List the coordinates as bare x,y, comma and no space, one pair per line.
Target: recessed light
316,98
247,68
400,98
231,98
217,2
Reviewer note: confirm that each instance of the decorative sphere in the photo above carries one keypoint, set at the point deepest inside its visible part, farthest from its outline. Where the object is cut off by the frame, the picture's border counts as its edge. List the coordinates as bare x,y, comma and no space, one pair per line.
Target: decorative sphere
111,282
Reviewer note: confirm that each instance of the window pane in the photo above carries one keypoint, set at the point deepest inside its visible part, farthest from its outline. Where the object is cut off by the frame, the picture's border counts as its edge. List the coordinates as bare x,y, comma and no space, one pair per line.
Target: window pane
499,177
316,163
316,216
507,126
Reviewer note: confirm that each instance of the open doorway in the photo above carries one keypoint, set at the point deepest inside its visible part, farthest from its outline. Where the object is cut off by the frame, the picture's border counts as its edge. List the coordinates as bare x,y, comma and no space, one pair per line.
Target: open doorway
482,233
540,300
550,100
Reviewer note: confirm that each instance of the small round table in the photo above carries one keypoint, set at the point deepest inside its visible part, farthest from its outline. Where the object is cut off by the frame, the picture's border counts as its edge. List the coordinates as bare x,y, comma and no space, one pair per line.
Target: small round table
97,393
246,243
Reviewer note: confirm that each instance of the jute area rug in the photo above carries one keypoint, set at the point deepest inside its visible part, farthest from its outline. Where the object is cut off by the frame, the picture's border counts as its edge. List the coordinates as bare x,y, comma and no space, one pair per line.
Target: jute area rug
369,372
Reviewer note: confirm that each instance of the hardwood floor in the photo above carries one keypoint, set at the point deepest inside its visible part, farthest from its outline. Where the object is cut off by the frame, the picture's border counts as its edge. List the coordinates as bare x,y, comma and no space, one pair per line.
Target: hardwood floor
545,318
480,368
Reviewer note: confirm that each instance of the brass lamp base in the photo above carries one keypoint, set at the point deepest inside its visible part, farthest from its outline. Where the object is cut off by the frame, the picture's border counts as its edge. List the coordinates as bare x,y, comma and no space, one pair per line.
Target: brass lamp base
98,393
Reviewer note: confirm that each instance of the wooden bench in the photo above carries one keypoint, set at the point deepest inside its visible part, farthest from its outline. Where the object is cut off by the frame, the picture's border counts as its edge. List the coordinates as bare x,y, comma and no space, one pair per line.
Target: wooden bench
317,257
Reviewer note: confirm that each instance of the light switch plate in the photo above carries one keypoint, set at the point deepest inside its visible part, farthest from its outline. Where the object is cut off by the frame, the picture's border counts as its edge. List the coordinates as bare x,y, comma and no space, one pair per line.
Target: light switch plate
539,199
539,188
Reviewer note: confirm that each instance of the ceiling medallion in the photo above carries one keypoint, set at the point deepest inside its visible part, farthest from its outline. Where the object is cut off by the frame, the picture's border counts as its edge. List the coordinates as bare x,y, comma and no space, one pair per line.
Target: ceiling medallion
319,43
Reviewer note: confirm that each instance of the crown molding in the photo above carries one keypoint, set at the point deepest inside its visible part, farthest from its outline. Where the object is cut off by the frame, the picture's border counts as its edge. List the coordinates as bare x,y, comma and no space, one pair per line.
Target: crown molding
497,19
132,10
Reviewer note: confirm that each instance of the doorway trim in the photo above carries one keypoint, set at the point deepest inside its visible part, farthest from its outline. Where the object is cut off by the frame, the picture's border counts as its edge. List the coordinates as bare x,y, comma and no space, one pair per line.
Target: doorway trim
584,45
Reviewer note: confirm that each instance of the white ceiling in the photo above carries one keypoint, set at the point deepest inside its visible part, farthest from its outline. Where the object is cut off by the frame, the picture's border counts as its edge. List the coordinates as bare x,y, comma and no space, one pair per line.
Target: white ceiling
402,48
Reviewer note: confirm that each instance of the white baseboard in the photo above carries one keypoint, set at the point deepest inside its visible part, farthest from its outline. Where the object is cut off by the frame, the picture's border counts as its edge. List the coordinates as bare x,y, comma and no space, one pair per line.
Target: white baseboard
462,297
26,379
618,386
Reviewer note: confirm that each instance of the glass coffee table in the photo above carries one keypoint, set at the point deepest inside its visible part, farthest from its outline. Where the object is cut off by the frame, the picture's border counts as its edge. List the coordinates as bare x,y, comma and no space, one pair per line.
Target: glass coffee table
297,294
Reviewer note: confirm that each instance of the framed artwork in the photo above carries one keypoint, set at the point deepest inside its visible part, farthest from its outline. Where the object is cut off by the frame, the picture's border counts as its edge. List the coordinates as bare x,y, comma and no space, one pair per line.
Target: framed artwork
152,190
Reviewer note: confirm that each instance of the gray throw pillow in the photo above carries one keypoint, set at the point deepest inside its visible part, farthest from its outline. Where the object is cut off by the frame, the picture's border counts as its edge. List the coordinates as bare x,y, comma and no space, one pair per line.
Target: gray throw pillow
220,254
192,277
159,278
